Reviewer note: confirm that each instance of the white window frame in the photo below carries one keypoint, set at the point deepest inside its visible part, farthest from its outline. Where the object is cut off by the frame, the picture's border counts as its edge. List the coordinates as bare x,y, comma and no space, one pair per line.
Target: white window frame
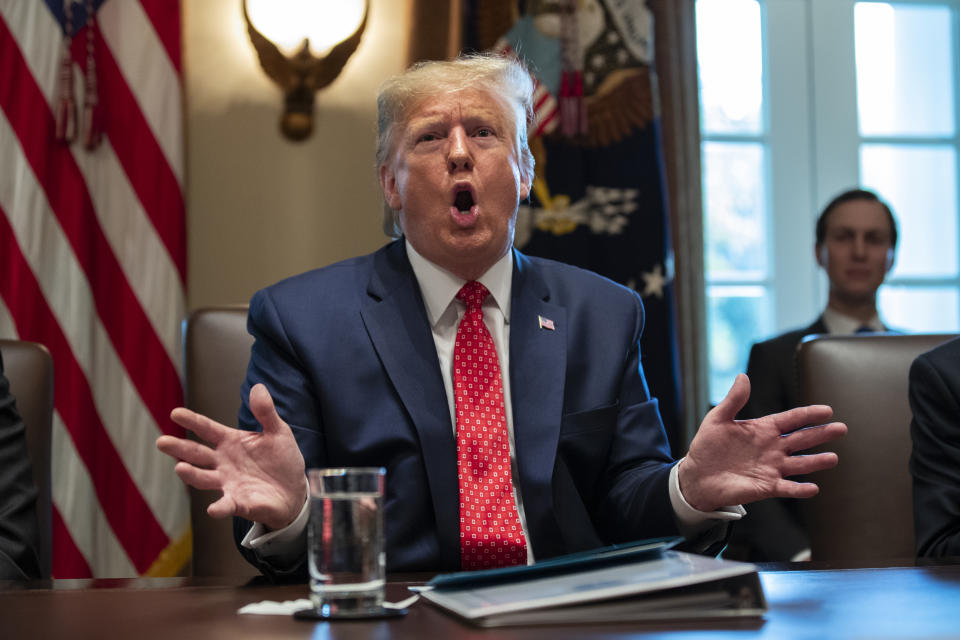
812,143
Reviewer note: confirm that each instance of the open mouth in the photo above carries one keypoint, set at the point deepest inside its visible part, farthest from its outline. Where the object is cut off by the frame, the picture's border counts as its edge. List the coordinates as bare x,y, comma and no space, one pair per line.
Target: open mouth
463,200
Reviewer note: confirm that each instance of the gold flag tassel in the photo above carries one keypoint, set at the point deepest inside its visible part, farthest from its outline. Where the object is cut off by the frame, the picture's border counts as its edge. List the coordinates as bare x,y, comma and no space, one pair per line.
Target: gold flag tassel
66,111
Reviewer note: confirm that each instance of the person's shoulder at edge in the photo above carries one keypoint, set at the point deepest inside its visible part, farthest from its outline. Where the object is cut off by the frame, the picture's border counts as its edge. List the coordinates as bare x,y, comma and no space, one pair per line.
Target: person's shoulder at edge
943,355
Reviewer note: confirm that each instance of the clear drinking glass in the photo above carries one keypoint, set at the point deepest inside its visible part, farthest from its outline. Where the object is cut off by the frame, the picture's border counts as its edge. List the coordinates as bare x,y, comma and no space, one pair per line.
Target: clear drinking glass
345,552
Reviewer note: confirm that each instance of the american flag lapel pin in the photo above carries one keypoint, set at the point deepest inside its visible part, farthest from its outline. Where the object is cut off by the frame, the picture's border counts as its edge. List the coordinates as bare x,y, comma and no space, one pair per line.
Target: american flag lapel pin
545,323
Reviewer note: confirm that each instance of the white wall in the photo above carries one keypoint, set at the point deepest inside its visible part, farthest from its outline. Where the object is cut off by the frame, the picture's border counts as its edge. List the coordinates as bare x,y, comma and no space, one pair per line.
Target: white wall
260,207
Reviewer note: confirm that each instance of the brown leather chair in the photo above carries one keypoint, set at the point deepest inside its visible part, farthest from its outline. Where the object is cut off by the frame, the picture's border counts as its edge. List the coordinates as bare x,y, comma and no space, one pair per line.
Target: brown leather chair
29,369
864,511
217,349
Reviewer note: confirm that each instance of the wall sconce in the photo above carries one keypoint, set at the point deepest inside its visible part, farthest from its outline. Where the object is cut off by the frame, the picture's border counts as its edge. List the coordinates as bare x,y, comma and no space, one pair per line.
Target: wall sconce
302,46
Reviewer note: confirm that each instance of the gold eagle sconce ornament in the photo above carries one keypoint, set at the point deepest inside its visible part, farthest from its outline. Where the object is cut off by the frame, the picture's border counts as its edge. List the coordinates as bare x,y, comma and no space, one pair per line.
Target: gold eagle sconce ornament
303,74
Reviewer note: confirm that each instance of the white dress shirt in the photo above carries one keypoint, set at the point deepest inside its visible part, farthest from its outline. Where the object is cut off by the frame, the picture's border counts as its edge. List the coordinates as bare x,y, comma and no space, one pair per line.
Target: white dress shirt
841,324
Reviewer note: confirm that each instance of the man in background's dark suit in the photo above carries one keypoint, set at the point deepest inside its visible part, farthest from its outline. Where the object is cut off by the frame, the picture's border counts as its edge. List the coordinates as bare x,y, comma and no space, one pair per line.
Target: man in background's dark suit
935,460
856,236
19,535
772,372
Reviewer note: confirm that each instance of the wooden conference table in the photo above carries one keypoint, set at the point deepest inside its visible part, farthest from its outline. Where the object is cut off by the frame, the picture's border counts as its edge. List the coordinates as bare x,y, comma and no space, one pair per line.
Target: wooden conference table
889,602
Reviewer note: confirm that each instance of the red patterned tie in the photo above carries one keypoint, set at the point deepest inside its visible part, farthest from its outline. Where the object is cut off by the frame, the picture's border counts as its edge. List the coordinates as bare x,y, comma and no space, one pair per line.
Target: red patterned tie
490,532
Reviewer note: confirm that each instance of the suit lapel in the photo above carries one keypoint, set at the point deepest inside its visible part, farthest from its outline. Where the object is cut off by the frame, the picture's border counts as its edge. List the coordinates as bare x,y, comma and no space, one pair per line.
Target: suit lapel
397,324
537,366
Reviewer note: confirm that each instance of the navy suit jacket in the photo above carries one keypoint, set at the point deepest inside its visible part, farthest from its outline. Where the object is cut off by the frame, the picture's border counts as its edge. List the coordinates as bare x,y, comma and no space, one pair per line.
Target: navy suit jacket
772,369
935,458
19,533
348,355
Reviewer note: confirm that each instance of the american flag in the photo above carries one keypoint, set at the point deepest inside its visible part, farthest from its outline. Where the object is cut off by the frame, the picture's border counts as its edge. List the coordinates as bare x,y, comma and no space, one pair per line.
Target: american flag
93,265
545,110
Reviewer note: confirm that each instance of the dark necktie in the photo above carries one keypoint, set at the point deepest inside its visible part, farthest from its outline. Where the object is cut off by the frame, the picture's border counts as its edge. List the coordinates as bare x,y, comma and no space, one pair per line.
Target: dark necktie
490,531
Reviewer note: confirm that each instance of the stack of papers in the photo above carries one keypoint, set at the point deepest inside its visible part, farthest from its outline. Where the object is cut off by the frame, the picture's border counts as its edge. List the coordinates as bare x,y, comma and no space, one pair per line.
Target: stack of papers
638,582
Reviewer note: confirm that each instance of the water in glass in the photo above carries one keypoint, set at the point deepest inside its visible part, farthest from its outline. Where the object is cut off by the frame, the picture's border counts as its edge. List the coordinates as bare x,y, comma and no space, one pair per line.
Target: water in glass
346,556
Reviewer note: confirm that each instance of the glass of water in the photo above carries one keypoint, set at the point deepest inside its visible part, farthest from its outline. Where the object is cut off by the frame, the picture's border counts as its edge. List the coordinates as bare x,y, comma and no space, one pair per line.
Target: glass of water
345,551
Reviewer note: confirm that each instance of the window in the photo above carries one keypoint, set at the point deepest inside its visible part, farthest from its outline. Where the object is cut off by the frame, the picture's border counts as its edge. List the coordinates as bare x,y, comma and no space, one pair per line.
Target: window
800,100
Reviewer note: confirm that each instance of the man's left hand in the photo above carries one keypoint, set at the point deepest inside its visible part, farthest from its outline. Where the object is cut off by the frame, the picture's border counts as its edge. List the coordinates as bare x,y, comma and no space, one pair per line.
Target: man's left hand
734,462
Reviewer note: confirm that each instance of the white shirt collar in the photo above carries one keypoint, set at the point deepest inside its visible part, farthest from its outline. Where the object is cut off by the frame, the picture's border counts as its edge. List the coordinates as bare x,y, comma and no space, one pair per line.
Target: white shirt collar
439,287
842,324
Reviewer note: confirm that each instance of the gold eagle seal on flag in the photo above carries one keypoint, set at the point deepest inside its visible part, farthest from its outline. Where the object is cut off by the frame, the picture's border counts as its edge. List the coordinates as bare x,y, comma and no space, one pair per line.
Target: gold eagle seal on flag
591,61
595,55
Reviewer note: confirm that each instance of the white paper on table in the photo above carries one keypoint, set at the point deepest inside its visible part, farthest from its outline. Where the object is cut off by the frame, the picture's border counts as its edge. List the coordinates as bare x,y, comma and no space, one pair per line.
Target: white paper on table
272,607
289,607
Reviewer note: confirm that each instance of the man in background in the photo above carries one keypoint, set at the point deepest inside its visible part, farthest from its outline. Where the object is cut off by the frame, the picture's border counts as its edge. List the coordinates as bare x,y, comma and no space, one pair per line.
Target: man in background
856,236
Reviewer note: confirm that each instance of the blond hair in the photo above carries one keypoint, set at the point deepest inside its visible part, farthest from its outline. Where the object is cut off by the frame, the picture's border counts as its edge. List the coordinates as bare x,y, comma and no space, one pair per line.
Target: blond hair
504,78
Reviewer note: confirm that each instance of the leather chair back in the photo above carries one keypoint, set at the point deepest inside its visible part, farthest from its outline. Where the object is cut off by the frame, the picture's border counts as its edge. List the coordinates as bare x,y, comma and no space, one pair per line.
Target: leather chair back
864,511
28,367
217,349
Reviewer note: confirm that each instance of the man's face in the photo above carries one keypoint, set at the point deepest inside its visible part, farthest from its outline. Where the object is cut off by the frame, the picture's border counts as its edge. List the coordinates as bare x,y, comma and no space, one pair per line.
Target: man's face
455,180
855,249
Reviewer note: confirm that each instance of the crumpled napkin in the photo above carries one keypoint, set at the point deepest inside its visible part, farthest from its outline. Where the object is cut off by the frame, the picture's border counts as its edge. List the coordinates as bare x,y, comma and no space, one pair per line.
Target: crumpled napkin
289,607
272,607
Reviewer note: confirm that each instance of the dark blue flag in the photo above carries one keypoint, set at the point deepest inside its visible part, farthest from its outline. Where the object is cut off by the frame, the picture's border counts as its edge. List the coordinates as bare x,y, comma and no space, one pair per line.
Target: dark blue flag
598,198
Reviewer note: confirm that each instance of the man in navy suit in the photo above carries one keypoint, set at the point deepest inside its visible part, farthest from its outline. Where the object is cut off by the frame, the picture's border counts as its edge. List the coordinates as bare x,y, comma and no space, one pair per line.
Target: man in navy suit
353,365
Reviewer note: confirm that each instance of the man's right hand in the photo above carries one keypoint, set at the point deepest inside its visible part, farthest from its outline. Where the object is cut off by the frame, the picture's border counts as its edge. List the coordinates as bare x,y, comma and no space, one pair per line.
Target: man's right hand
741,461
261,474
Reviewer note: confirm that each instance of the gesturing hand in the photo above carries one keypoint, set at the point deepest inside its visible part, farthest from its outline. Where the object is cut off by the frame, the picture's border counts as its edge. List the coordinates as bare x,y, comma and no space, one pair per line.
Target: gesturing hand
261,474
739,461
